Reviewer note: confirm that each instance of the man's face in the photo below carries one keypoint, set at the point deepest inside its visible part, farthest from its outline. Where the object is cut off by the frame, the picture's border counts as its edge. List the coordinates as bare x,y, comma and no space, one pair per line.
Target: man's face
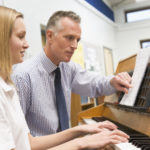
64,41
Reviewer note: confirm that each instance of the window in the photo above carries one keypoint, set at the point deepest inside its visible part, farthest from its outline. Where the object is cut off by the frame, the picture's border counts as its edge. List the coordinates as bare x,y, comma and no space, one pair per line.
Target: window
137,15
145,43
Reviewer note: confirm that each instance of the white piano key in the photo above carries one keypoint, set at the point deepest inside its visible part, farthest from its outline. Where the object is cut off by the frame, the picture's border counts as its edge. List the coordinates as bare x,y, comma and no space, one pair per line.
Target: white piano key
125,146
89,121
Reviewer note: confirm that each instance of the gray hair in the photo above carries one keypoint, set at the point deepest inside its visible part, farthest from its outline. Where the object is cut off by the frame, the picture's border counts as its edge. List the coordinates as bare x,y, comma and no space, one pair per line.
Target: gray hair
53,20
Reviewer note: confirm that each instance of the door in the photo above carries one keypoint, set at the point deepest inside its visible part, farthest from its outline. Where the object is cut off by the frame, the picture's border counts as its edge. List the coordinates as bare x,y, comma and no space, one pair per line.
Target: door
108,59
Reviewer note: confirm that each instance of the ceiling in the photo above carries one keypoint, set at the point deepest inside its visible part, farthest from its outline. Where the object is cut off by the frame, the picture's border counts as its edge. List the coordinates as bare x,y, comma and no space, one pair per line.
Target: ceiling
117,3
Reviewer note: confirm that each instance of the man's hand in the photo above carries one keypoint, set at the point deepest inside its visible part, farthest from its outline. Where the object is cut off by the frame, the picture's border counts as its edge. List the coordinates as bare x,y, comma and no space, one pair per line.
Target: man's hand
122,82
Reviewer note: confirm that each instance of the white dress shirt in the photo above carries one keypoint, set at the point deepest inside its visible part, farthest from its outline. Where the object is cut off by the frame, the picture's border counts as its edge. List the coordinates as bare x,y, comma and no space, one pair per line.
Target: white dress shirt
34,79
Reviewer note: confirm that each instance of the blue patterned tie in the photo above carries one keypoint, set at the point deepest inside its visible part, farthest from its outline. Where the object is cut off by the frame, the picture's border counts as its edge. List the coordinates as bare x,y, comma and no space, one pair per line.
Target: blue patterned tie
60,102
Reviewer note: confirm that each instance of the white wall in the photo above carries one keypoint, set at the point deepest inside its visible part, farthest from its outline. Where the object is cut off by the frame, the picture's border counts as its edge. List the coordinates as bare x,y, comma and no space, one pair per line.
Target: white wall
1,2
129,34
96,29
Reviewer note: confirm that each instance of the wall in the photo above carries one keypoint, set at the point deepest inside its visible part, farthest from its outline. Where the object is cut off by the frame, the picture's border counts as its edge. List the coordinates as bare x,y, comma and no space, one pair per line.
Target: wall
129,34
1,2
96,29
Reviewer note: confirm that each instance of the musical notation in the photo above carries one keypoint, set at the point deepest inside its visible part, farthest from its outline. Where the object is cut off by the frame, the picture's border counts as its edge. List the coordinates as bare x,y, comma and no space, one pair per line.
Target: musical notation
143,57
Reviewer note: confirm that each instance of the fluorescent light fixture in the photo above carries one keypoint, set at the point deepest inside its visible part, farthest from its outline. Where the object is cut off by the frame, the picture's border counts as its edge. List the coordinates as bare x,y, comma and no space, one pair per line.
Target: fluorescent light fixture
140,1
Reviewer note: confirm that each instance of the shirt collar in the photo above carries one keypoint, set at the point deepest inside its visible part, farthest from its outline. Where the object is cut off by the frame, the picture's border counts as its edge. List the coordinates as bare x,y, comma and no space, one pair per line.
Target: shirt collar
6,87
47,63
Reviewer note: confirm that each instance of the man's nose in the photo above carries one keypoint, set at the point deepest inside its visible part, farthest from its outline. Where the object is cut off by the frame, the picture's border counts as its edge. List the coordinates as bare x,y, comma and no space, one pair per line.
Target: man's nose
74,44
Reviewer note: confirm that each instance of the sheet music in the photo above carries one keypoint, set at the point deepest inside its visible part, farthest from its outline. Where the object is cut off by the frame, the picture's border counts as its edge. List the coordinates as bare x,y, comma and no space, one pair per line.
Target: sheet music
142,60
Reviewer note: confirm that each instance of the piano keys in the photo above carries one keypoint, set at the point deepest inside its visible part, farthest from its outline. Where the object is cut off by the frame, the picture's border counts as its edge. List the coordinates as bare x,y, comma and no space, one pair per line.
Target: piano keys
137,140
135,121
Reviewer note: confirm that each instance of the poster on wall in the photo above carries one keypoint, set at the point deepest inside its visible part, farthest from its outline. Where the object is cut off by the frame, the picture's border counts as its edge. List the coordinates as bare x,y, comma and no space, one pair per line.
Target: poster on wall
89,56
93,57
78,56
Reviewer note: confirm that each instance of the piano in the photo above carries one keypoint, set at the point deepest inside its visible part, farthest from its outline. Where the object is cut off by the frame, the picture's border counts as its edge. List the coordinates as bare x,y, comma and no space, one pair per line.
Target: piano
133,120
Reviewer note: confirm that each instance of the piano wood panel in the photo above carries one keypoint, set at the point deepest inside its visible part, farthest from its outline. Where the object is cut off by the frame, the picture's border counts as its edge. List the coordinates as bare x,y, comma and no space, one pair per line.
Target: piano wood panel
126,64
136,120
92,112
75,108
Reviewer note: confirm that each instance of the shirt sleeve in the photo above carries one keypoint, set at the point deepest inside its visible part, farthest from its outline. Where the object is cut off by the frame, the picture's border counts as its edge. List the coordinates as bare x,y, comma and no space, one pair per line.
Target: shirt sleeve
6,138
91,84
22,82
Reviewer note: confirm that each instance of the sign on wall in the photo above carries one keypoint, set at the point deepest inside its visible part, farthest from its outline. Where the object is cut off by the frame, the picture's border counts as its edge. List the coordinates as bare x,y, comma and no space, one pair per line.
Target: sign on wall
93,55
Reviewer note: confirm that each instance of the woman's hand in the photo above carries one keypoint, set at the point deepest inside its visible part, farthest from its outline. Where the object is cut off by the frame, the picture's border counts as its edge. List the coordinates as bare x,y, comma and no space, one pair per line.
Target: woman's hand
102,139
95,127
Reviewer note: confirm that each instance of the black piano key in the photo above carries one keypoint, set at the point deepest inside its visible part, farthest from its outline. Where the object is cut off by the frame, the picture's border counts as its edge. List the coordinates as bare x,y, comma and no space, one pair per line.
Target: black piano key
138,138
139,142
140,145
99,119
145,147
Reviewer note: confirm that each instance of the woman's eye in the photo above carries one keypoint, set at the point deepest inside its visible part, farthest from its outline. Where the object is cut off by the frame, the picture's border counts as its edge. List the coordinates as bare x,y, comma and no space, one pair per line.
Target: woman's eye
21,36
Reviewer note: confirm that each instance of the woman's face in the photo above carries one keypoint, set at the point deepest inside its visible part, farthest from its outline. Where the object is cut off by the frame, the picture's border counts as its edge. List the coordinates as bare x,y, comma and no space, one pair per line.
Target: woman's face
18,43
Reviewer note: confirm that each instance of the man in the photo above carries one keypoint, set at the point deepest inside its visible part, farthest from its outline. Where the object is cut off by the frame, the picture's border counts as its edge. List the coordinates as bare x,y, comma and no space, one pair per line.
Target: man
35,78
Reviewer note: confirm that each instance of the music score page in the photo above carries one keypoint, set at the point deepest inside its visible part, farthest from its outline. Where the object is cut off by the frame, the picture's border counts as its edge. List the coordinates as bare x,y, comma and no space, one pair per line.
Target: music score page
142,60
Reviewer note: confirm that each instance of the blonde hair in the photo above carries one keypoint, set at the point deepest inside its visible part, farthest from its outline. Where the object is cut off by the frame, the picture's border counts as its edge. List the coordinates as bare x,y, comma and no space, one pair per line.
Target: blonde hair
7,19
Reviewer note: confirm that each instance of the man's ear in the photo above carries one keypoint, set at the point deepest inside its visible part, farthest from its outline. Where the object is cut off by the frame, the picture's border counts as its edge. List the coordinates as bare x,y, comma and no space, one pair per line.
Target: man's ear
49,35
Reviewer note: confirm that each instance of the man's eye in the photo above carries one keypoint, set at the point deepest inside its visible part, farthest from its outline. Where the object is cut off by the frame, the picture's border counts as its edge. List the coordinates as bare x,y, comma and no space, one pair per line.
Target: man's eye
78,40
70,37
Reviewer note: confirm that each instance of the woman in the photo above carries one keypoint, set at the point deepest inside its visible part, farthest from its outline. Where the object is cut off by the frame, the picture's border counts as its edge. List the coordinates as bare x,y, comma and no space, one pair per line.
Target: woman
14,133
